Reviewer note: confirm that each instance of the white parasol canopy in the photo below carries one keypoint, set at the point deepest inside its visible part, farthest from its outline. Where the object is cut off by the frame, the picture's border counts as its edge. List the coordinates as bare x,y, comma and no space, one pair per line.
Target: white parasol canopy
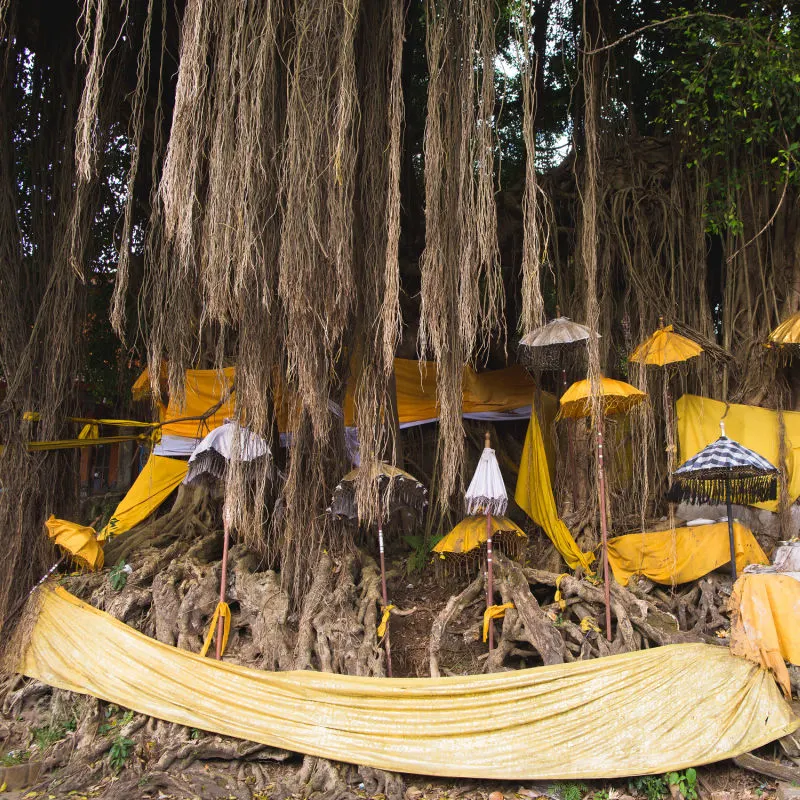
216,450
487,491
559,331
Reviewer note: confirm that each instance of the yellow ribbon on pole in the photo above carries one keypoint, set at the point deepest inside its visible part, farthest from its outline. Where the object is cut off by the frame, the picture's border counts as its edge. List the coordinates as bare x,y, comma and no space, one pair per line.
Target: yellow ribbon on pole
590,624
387,611
559,598
222,610
493,612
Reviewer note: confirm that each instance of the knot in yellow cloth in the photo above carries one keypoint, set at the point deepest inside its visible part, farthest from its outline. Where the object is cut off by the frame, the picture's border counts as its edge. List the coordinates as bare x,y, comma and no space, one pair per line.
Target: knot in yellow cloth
590,624
222,611
493,612
89,431
387,610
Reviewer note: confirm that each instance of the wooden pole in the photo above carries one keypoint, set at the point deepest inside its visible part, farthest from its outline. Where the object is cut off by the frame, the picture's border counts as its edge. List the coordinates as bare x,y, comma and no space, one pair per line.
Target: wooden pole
223,583
601,479
384,594
731,541
489,581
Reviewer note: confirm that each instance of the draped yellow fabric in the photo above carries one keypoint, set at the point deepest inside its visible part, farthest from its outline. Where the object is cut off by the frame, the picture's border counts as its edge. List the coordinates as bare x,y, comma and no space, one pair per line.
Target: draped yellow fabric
493,612
79,542
765,610
222,610
204,389
159,478
534,495
754,427
534,724
688,555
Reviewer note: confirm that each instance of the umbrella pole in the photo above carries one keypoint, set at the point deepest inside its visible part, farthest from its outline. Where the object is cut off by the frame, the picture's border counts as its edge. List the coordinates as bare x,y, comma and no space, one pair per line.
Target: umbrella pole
223,583
385,595
601,479
730,527
570,452
489,582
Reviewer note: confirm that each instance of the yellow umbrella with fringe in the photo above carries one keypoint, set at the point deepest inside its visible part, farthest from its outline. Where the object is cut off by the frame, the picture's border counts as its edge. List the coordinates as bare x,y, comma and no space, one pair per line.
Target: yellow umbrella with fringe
787,333
470,535
615,397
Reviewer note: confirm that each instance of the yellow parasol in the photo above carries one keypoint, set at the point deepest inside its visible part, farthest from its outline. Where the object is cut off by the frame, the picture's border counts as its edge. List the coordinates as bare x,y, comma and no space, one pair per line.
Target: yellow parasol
470,535
616,397
78,542
788,332
665,347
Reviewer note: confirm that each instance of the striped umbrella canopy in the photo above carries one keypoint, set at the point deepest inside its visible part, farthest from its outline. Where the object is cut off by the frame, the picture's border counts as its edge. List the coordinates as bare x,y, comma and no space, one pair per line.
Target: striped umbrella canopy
725,465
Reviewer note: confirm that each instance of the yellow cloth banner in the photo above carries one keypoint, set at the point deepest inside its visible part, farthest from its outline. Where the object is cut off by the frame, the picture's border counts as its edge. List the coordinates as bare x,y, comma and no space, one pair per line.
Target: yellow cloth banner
493,612
222,610
204,389
532,724
688,555
78,541
534,495
754,427
159,478
765,610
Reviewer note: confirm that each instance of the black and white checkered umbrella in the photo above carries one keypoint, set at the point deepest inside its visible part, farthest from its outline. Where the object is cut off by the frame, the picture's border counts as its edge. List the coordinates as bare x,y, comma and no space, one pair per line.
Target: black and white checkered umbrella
725,472
725,466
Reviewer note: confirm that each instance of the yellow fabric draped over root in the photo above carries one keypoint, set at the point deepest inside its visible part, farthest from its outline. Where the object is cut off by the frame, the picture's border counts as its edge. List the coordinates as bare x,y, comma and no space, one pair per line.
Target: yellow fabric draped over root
159,478
534,495
754,427
685,556
79,542
765,610
662,709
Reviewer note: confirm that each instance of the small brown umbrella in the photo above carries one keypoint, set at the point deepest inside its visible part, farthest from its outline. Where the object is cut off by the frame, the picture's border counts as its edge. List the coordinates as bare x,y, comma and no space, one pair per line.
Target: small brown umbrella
405,492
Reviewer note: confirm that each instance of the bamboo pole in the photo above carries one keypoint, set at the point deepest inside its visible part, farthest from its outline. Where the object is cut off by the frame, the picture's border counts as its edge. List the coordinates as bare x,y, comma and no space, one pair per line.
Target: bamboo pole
223,583
604,524
384,593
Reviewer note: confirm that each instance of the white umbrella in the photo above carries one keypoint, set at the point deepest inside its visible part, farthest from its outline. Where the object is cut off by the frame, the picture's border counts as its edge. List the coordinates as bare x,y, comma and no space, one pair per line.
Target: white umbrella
487,495
211,457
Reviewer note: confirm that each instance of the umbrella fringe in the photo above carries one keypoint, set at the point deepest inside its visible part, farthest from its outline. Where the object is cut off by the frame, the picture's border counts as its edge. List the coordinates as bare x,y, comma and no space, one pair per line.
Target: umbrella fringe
496,506
743,491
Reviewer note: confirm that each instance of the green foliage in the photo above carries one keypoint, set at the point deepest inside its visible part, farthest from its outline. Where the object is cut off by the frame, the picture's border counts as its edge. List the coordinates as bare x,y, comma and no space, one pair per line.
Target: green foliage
114,722
569,791
421,551
685,781
14,757
735,100
120,752
118,576
48,735
653,787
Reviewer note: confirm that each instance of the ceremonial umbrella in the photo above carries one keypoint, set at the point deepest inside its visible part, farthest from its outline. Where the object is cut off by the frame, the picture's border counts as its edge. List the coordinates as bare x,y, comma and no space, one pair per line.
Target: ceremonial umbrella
211,457
725,470
788,332
486,495
662,348
615,397
545,348
471,534
403,491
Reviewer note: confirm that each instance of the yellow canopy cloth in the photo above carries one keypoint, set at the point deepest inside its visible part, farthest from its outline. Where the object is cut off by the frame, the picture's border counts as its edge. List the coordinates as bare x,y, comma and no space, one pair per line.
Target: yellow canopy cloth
616,397
542,725
788,332
688,555
665,347
470,534
204,388
79,542
756,428
534,495
765,609
159,478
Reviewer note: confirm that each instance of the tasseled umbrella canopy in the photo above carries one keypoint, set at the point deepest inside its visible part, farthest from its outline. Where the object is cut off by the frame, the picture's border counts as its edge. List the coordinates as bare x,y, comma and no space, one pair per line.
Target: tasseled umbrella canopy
705,477
212,455
406,491
787,334
545,348
487,491
665,347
